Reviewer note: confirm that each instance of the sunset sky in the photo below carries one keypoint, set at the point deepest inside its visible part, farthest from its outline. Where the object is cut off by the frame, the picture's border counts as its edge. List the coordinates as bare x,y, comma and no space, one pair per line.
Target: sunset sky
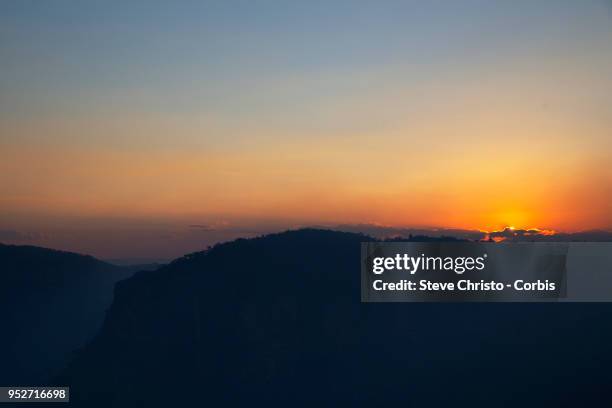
128,127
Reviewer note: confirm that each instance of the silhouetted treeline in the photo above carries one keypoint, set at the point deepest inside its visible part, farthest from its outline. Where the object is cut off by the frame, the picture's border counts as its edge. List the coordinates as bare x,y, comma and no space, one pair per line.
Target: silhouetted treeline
277,321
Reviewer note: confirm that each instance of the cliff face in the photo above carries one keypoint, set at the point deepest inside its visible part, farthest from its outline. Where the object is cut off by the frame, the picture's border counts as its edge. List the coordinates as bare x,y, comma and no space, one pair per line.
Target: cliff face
51,303
278,320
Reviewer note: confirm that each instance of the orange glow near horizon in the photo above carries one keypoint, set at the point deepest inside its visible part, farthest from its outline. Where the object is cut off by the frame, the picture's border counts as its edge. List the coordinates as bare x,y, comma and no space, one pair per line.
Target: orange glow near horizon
292,186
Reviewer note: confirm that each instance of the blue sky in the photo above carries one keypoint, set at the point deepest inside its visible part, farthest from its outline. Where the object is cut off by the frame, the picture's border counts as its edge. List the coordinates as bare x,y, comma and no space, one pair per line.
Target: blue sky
185,56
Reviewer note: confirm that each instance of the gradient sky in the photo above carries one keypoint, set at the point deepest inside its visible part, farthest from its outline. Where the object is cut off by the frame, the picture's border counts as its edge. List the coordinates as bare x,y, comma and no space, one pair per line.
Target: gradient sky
122,123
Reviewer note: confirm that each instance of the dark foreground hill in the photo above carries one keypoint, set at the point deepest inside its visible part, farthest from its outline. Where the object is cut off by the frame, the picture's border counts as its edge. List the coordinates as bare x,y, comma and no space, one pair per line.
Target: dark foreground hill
277,321
51,303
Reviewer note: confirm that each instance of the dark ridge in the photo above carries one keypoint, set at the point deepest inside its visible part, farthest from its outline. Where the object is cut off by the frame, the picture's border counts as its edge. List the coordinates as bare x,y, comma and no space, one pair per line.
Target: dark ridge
51,303
277,321
424,238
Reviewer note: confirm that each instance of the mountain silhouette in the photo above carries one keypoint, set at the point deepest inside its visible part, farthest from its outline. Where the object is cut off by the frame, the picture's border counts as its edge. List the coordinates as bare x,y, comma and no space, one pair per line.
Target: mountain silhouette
51,303
277,321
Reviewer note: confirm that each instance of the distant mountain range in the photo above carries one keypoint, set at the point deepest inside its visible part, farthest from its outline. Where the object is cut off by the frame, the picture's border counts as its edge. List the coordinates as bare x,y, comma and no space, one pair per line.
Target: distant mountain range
508,233
277,321
51,303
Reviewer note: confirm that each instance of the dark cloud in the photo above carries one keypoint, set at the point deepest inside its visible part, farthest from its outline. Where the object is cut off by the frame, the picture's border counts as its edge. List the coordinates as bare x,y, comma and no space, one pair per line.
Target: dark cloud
513,233
224,227
17,236
10,235
203,227
583,236
534,234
